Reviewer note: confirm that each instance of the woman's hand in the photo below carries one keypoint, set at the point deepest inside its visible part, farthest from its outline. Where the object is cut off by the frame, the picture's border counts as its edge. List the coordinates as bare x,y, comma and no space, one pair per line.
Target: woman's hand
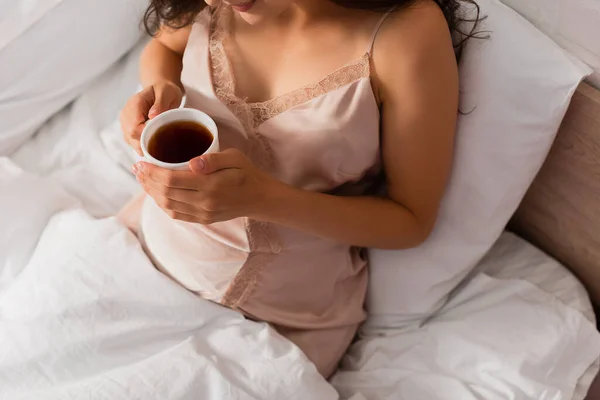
145,105
219,187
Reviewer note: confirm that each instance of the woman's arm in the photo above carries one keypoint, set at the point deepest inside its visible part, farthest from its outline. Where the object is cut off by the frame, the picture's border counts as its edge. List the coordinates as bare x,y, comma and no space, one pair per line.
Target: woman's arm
418,87
161,60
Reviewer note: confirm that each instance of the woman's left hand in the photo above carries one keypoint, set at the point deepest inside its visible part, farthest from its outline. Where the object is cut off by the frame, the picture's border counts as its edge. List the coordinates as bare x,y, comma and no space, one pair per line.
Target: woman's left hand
218,187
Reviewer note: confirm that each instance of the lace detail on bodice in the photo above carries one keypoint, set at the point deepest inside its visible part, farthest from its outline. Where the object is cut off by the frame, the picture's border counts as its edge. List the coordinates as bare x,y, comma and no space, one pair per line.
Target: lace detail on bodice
253,114
265,110
264,239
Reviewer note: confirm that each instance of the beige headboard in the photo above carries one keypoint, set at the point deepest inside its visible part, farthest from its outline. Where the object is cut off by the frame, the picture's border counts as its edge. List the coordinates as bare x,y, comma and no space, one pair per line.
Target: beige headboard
561,212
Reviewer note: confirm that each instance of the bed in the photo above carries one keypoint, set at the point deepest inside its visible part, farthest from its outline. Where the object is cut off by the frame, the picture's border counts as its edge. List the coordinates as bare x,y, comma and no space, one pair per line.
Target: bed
72,327
559,216
559,212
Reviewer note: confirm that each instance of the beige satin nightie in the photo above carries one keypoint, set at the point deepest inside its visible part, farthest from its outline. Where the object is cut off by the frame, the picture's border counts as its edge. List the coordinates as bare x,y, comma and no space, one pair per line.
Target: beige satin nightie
323,137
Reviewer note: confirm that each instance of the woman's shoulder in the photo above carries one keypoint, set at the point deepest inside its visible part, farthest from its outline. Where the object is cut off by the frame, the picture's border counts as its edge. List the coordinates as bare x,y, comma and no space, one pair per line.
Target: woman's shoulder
412,31
413,43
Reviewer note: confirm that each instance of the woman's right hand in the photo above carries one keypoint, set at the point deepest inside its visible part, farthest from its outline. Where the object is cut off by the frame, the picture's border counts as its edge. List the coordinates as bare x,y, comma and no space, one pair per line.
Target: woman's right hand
145,105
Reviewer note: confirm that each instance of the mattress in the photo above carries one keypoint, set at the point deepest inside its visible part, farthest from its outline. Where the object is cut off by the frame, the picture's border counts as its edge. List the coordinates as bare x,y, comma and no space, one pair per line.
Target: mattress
81,151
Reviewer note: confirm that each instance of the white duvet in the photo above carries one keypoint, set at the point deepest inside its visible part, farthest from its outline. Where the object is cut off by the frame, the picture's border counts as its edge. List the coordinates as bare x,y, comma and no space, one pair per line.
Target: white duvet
84,315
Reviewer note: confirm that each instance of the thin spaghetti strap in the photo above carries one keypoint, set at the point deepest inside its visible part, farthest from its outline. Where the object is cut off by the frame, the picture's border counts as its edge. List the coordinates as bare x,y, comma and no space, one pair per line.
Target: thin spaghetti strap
377,27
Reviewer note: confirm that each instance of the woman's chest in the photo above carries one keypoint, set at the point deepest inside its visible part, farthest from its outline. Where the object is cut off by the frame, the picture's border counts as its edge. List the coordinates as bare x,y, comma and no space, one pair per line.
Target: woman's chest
265,69
317,136
268,62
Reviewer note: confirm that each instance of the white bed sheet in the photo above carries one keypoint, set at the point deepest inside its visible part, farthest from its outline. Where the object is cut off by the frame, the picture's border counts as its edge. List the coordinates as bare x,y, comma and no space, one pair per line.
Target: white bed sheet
432,362
512,258
72,327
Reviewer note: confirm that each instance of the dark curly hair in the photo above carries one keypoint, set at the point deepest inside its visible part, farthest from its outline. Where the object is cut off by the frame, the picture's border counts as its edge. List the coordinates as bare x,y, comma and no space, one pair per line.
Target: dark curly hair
177,14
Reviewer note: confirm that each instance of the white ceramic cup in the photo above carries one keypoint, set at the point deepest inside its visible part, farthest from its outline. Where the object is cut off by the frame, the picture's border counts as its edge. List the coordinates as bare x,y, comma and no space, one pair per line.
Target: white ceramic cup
178,114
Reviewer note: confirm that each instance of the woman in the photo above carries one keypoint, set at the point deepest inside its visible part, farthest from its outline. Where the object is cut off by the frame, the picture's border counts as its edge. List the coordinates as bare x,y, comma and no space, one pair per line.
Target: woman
316,101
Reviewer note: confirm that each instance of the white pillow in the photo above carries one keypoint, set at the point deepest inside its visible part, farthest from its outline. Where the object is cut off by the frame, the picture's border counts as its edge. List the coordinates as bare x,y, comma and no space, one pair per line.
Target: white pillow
519,84
50,50
18,16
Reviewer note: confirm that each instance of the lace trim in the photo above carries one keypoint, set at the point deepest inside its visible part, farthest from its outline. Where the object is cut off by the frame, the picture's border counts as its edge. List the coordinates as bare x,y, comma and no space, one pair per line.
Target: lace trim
224,86
264,246
264,240
349,73
254,114
223,82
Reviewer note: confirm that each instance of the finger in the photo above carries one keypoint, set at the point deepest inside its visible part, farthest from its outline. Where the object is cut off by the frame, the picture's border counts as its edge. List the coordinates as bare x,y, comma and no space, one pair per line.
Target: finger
183,217
209,163
181,195
164,101
137,110
187,218
132,126
135,144
136,132
132,137
169,204
169,178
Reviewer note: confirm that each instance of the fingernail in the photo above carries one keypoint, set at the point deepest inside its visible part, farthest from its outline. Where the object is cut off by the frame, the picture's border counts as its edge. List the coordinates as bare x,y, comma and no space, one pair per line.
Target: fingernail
152,113
134,169
198,163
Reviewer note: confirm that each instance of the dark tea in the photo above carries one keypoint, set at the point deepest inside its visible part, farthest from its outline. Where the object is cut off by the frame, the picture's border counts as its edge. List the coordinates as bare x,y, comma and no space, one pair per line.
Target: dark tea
179,141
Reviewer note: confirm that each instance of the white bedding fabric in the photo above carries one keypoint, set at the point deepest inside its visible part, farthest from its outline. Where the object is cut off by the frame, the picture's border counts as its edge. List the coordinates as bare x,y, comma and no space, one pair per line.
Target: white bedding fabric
18,16
90,318
51,50
493,340
84,315
574,24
